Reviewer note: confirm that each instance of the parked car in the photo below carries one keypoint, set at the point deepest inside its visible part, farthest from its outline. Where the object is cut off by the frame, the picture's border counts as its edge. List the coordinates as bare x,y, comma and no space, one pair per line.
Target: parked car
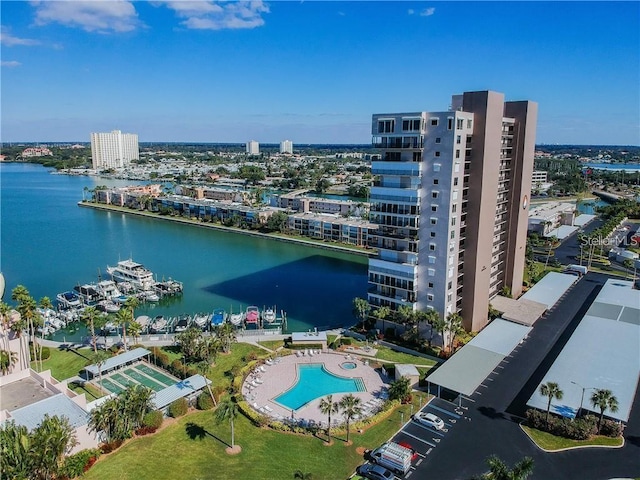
429,420
414,454
375,472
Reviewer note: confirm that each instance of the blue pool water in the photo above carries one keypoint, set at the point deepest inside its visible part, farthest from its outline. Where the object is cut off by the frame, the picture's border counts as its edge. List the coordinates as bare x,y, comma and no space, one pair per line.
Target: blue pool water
314,381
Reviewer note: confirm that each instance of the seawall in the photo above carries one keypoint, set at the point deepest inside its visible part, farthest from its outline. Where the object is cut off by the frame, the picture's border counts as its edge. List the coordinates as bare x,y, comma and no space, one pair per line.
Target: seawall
195,223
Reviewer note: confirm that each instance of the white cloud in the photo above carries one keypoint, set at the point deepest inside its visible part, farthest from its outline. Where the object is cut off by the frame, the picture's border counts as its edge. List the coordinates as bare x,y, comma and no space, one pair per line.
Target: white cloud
10,64
90,15
10,41
427,12
411,11
219,15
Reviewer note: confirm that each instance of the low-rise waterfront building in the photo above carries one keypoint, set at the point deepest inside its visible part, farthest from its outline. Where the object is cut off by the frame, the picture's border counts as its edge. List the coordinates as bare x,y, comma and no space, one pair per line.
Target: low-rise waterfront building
546,217
304,204
36,152
331,228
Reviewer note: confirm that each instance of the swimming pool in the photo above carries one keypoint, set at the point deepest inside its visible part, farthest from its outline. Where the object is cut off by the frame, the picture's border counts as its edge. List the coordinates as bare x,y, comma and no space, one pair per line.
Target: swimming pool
315,381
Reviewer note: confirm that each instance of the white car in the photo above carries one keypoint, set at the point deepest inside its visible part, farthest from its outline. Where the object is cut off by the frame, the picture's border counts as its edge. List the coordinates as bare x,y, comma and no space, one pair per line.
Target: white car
429,420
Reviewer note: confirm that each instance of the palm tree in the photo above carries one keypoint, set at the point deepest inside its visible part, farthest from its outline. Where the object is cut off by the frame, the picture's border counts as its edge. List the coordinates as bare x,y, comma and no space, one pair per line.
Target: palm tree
381,313
203,369
227,335
122,318
98,358
551,390
227,410
361,309
604,400
453,328
437,324
89,316
45,303
8,359
498,470
134,330
400,389
327,407
351,407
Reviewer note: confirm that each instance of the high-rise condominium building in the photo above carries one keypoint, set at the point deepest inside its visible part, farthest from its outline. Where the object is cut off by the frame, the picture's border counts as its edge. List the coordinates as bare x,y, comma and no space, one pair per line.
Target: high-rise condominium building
253,147
113,150
286,146
451,200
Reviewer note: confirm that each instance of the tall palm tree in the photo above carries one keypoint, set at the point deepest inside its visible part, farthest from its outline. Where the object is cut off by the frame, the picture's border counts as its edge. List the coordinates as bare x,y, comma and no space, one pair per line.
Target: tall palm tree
361,309
381,313
351,407
89,316
227,335
203,369
228,410
453,328
98,358
45,303
8,359
5,317
123,317
498,470
604,400
327,407
551,390
134,330
437,325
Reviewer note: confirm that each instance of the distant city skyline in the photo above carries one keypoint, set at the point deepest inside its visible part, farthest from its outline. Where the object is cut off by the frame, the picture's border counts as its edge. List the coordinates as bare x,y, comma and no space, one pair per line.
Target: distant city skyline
312,72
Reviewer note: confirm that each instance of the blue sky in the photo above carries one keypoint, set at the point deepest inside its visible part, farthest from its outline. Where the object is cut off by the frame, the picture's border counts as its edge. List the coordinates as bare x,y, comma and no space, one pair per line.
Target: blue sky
311,71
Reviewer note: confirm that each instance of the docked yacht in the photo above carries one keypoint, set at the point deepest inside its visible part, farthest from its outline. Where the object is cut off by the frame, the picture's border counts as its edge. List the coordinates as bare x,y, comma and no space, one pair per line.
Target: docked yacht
236,318
108,306
108,290
132,272
150,296
182,324
87,293
68,300
159,325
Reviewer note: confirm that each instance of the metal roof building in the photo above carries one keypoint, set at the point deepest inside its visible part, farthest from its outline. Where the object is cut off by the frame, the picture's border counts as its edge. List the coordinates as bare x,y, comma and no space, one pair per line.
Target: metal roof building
470,365
118,361
185,388
602,353
550,289
58,405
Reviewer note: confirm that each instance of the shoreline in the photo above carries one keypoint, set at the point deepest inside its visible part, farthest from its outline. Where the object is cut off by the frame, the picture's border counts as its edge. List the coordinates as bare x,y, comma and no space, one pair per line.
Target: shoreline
222,228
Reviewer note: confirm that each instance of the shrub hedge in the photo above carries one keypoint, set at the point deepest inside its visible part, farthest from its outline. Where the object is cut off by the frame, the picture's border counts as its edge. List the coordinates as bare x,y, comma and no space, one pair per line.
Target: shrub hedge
204,401
178,407
153,419
576,429
78,463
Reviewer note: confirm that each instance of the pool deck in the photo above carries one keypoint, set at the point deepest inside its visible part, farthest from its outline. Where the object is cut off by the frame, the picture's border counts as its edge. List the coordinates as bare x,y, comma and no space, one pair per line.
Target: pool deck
282,375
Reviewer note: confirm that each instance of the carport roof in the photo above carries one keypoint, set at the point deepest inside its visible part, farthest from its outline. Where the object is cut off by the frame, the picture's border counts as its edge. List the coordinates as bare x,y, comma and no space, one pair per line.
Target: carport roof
522,311
118,360
602,353
550,289
470,365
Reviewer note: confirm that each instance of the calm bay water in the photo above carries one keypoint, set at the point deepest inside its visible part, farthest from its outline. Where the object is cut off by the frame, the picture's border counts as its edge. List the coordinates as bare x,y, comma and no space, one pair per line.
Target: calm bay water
49,244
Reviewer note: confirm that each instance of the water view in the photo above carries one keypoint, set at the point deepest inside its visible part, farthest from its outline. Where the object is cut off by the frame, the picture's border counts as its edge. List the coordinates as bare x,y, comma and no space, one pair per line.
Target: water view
49,244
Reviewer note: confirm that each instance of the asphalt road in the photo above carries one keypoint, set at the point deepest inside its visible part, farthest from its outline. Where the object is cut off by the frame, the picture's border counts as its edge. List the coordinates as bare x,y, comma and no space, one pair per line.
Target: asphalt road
488,423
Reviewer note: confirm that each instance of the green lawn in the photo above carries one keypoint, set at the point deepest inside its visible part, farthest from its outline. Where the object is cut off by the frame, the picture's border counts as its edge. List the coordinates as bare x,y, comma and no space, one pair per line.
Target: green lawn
385,353
272,344
550,442
64,363
219,375
266,454
91,393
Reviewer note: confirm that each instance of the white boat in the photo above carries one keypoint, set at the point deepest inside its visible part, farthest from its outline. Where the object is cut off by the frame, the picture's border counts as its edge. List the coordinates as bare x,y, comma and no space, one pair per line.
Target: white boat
236,318
134,273
159,324
269,315
150,296
108,290
68,300
108,306
144,321
201,320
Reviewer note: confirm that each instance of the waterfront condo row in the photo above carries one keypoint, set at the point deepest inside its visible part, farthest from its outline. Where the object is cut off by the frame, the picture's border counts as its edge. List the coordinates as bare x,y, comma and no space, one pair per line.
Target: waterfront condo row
451,203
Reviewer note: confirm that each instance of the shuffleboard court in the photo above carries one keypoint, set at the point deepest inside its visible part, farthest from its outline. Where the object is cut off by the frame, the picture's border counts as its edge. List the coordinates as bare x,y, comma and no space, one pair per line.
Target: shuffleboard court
143,379
156,375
